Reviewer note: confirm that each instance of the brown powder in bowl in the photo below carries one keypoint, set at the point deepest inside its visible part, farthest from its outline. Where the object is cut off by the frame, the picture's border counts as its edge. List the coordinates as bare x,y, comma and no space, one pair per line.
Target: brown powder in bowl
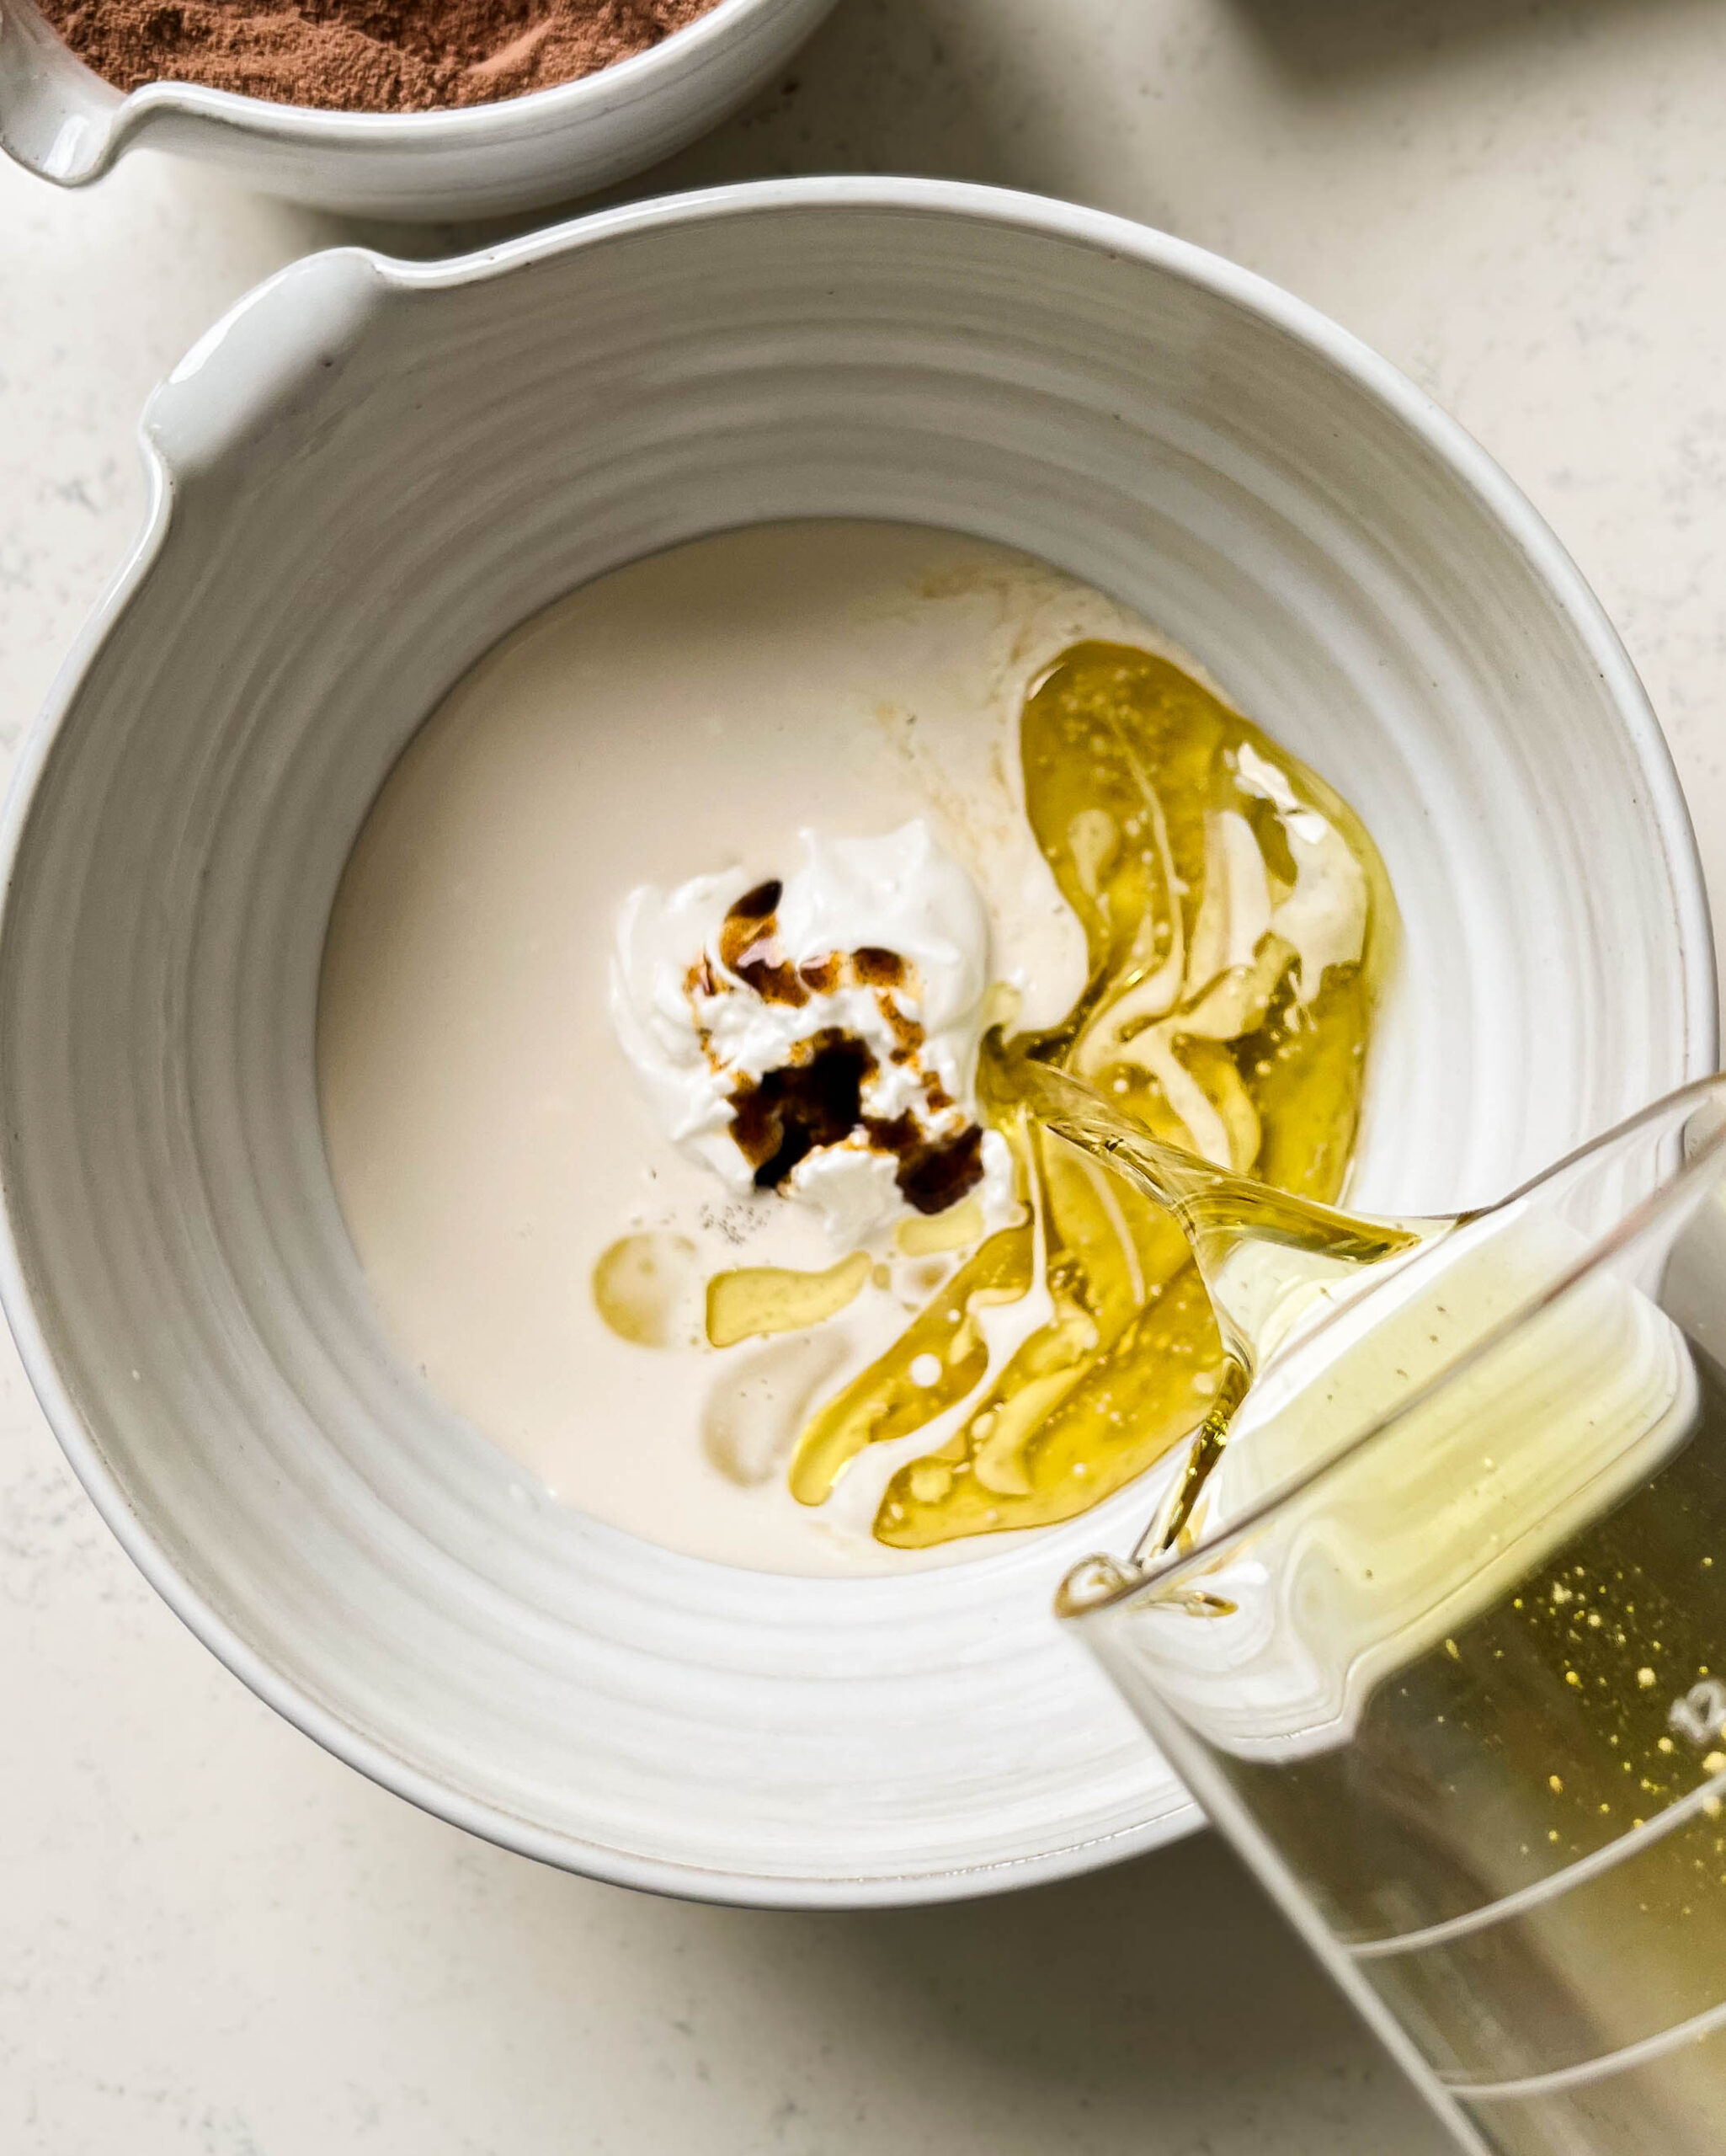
363,56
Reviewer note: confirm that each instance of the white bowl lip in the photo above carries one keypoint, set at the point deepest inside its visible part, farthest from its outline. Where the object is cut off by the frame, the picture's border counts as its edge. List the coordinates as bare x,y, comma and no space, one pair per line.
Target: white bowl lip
619,85
1039,215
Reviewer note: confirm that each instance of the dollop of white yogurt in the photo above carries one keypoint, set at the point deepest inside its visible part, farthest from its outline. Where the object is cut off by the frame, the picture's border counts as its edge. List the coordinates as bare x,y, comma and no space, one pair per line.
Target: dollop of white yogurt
695,1030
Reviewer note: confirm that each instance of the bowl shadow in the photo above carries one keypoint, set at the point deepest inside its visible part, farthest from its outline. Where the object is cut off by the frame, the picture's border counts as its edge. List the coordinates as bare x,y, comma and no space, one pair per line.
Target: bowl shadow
1328,42
1162,2005
1166,1989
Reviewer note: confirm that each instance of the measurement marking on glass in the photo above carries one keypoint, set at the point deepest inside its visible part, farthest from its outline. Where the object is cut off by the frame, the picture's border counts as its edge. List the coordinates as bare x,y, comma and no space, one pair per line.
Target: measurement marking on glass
1693,2030
1701,1713
1708,1793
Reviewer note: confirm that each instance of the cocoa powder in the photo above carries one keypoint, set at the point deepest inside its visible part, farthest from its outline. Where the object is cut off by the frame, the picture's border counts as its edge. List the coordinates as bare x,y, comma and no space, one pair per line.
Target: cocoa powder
363,56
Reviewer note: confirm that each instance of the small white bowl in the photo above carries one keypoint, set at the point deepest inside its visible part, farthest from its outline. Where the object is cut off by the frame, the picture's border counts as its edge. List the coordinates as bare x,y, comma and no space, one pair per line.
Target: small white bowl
363,477
63,122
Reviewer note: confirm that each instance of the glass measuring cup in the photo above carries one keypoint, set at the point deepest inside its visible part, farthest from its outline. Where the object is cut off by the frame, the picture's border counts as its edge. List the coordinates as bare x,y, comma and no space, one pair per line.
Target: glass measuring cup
1442,1649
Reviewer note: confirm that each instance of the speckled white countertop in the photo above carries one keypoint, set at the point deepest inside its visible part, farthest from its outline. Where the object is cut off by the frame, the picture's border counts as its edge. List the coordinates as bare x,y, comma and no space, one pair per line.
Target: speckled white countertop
214,1941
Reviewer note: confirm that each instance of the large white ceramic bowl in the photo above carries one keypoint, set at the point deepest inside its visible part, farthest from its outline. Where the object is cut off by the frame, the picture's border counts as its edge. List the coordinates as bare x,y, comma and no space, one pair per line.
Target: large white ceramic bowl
363,477
63,122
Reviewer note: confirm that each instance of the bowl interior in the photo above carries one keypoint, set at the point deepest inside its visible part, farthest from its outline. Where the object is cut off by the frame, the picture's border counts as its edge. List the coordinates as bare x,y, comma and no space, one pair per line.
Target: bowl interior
369,473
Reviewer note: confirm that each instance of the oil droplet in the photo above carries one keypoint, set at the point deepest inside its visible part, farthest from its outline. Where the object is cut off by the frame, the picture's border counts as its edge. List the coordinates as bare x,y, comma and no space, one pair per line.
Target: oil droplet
930,1481
752,1301
642,1288
932,1235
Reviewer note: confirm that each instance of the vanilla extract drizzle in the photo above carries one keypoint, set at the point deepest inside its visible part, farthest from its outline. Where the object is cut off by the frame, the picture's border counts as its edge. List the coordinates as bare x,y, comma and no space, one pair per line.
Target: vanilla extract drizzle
816,1099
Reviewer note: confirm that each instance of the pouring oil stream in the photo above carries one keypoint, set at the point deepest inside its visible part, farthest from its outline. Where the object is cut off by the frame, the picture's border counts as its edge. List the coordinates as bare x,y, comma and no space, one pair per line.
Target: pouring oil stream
1270,1262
